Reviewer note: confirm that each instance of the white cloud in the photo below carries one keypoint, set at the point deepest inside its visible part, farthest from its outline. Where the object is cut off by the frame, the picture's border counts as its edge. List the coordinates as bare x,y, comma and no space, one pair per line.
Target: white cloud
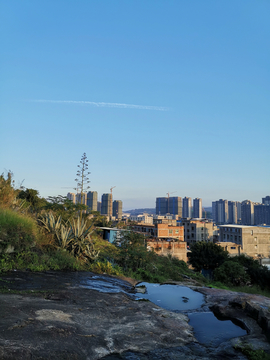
104,104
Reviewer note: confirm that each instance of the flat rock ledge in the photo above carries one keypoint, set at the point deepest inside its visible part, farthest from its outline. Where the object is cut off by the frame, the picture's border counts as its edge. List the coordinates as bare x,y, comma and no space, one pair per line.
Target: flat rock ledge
64,321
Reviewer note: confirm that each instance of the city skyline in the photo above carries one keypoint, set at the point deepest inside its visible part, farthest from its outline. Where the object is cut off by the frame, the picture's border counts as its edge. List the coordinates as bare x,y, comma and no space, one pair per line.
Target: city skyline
163,97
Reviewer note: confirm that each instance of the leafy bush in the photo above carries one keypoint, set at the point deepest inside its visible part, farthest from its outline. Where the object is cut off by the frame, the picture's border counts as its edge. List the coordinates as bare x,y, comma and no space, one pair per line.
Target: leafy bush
259,275
231,273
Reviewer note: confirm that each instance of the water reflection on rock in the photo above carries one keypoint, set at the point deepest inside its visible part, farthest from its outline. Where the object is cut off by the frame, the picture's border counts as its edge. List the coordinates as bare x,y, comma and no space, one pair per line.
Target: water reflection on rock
208,330
211,331
172,297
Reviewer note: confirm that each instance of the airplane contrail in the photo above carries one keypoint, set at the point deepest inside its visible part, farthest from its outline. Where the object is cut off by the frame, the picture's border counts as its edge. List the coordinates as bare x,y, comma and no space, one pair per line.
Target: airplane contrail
104,104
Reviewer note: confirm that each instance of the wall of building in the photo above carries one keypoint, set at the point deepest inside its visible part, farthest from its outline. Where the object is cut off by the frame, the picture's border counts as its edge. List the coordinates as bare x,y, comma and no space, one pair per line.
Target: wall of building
174,248
254,241
199,230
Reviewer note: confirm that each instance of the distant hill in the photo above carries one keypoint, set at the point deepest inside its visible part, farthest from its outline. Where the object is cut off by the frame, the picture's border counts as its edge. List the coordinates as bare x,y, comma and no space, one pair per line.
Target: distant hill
141,211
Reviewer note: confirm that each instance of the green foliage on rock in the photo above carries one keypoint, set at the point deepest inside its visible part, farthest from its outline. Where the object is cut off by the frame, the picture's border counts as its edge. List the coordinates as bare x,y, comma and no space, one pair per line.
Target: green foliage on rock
207,256
252,354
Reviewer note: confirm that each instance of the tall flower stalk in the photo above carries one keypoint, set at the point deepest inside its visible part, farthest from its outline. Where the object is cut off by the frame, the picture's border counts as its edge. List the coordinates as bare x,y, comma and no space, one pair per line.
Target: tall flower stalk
82,179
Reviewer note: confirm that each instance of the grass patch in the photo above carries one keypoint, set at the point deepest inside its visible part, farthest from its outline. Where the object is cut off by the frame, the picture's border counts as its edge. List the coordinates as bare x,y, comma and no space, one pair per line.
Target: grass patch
256,290
38,261
17,232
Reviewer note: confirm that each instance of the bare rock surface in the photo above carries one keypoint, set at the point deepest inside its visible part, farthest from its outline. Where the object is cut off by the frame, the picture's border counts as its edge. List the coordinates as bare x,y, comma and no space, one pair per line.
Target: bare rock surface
58,315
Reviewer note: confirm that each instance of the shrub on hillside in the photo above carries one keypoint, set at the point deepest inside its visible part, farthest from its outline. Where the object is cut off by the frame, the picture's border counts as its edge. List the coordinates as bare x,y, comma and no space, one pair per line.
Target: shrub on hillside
207,256
17,232
231,273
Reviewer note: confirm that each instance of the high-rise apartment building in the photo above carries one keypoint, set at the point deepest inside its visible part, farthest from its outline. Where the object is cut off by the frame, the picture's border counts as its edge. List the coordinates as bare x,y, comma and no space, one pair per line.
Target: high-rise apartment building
117,209
247,212
72,197
220,211
266,200
261,214
169,205
84,198
92,200
161,206
99,206
197,208
187,207
232,212
175,205
106,204
238,204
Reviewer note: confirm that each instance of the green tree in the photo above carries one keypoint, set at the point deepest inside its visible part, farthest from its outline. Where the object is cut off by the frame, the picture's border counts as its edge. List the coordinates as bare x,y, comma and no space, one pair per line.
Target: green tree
133,252
231,273
259,275
62,206
32,197
206,255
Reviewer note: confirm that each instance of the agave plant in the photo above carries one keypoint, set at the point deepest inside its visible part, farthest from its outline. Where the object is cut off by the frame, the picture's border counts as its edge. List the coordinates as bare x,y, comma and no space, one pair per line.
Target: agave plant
64,237
82,245
50,224
80,230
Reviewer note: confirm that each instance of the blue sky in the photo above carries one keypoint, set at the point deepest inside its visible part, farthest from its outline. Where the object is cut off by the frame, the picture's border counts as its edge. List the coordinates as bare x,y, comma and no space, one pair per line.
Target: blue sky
199,72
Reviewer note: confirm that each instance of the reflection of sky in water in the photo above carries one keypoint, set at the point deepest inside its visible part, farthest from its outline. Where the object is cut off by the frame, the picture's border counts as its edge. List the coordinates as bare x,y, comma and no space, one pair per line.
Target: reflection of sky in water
103,284
210,331
172,297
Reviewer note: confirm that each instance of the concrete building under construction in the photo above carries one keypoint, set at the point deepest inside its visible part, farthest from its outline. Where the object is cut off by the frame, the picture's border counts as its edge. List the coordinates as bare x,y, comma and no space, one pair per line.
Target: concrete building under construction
92,200
117,209
106,204
169,205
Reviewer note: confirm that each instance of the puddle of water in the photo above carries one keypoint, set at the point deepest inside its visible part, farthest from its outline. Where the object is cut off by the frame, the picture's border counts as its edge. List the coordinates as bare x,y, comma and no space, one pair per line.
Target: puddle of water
172,297
211,331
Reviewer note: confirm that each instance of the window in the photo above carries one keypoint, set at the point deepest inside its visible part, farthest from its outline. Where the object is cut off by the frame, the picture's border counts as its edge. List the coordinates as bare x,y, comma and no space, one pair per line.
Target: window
233,247
170,232
177,231
251,232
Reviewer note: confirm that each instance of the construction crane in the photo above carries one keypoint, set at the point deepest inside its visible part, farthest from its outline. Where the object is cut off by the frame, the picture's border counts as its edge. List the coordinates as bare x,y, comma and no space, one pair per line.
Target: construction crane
111,189
168,193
